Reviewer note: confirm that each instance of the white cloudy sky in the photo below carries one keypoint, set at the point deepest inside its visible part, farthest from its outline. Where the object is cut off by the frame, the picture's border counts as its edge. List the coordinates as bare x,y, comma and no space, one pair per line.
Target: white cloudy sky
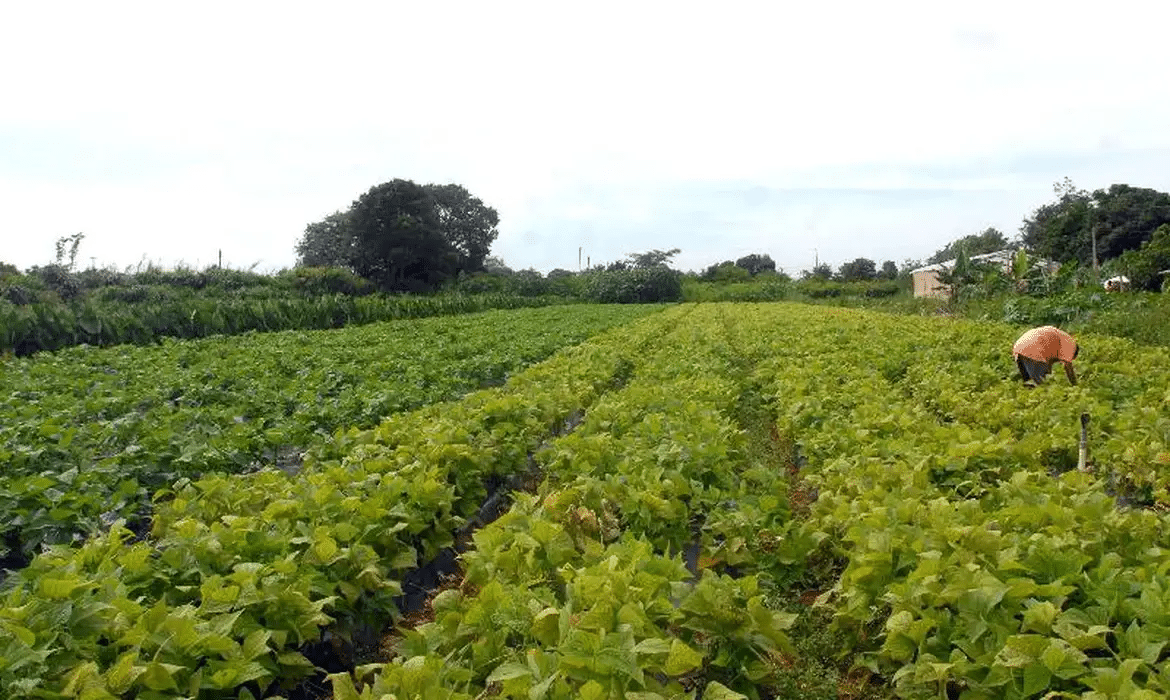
169,131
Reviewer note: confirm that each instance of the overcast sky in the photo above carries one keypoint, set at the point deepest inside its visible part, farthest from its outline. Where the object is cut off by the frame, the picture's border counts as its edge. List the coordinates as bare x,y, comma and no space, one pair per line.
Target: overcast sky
166,132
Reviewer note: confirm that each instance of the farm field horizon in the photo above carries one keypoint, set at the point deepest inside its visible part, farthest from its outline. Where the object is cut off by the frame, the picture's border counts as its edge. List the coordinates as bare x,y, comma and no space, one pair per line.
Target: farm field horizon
717,500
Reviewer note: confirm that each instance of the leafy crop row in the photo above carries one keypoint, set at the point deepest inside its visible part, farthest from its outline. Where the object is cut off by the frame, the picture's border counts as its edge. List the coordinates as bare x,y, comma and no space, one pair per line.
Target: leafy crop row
973,560
242,572
90,433
582,591
980,562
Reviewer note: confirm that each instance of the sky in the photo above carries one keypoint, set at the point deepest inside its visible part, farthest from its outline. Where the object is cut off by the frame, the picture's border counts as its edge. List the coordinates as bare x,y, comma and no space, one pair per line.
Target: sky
173,133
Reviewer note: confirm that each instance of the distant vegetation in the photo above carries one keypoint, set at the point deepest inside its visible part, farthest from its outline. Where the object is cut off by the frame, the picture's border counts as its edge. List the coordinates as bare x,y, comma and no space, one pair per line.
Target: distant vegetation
55,306
403,250
52,307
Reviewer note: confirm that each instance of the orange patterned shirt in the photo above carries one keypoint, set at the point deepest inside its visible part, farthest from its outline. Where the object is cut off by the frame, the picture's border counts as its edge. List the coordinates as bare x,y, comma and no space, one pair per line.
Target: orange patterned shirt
1045,344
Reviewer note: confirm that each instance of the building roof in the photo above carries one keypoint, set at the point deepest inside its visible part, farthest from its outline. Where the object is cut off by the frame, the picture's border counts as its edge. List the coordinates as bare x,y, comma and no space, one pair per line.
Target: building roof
1004,257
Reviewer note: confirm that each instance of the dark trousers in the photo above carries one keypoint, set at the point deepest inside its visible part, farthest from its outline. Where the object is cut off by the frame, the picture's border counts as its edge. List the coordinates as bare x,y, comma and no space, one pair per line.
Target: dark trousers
1032,369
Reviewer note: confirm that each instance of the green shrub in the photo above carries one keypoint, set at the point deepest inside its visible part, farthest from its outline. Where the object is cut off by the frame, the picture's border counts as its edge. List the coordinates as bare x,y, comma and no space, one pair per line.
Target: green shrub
646,285
482,283
820,289
135,294
97,278
1144,265
316,281
762,288
59,279
15,287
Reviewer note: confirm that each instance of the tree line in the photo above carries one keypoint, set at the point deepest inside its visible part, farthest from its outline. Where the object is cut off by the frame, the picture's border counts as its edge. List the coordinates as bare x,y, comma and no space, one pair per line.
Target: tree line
405,237
1122,230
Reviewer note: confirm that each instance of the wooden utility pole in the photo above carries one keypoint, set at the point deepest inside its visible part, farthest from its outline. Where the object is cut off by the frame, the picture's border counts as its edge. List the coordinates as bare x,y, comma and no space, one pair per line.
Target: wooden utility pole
1096,265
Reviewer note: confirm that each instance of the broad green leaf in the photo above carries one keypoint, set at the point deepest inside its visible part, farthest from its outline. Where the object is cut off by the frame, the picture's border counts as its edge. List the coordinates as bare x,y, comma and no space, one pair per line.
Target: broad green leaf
1036,678
83,676
121,676
717,691
233,673
653,645
1038,617
24,634
592,691
324,548
404,559
1063,660
546,626
343,687
293,658
508,671
1021,650
446,600
682,659
256,644
58,588
160,676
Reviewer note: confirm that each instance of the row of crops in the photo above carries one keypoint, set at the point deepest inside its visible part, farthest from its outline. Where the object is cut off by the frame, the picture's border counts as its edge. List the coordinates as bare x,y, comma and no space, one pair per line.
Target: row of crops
89,435
683,475
980,562
138,315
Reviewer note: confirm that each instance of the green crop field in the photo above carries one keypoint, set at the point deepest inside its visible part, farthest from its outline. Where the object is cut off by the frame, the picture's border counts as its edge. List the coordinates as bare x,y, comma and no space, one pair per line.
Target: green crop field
90,434
716,500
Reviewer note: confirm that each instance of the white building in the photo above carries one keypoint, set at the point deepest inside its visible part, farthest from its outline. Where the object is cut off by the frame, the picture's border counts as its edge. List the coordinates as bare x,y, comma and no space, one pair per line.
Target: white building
927,284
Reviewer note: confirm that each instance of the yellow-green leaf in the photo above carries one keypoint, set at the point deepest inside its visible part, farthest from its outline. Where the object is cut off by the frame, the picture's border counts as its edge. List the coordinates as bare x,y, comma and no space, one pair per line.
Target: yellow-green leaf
58,588
124,672
591,691
24,634
717,691
325,548
343,688
160,676
546,626
682,659
256,644
508,671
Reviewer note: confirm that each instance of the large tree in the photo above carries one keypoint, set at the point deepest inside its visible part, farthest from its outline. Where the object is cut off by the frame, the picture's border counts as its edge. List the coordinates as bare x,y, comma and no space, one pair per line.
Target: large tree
327,243
989,241
466,222
652,258
726,271
1126,217
1060,230
820,271
858,269
1122,218
1144,266
398,241
756,263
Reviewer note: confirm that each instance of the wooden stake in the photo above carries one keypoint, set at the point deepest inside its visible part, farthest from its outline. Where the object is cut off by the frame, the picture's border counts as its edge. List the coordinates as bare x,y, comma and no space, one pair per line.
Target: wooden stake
1083,458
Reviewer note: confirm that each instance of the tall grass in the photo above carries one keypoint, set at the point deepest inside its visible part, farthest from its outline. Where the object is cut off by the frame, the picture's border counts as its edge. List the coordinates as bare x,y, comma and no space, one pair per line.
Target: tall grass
30,328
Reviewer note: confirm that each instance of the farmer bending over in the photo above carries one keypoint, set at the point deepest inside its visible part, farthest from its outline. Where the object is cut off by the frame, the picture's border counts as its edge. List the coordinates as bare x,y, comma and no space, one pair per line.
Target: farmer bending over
1037,349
